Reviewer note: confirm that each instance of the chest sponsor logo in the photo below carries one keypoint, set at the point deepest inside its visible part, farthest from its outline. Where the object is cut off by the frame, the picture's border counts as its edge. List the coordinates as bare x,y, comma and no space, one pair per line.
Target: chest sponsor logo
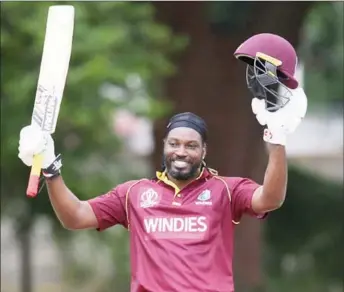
204,198
149,198
176,227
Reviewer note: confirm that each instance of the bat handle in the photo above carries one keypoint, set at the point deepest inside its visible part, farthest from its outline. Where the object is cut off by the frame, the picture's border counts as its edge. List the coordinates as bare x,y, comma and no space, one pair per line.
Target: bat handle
32,188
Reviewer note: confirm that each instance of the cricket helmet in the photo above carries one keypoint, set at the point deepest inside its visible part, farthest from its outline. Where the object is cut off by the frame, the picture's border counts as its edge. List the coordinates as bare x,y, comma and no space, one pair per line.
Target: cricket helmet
271,64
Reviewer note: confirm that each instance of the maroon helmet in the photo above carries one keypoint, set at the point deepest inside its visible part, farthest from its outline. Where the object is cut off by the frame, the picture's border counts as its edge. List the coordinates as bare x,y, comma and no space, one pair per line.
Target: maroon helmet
271,64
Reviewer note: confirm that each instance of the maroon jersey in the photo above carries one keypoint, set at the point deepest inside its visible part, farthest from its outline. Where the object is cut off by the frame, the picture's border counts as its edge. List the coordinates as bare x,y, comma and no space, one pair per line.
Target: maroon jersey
179,240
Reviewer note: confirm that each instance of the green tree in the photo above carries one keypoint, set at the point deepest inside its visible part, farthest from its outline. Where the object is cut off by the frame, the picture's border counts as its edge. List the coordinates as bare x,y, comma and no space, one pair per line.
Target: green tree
322,51
112,41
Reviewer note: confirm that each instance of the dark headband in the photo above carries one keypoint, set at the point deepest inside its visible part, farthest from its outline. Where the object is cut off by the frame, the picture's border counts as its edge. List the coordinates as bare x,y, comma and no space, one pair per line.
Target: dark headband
188,120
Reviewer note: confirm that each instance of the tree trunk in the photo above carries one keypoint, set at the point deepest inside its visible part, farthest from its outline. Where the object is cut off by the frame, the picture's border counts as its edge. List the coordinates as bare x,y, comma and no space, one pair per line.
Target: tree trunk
24,237
211,83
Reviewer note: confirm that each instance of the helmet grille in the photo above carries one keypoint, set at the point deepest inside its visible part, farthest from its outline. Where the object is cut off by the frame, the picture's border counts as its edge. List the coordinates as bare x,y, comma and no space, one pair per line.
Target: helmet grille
264,82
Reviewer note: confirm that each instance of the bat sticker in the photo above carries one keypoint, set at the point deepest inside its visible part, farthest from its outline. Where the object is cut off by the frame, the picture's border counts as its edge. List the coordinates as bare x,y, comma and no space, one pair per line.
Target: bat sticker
44,113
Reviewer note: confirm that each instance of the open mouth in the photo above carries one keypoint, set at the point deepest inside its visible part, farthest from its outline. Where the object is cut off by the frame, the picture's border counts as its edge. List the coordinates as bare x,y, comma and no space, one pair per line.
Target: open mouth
180,164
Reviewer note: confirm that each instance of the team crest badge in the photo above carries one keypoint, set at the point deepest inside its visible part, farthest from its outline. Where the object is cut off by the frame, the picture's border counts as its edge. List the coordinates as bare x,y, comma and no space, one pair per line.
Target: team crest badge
204,198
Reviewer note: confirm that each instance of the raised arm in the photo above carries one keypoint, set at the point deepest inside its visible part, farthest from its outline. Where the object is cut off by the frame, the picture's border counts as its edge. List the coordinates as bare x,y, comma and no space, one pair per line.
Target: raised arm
249,197
73,213
272,194
100,212
278,124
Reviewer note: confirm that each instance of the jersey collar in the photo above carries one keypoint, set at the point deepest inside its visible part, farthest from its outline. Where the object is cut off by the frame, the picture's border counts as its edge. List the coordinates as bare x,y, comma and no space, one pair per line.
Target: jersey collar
205,173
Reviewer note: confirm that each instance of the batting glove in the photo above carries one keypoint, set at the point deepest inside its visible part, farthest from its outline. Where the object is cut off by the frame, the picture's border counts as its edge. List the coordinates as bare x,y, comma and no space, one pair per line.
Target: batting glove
34,141
285,120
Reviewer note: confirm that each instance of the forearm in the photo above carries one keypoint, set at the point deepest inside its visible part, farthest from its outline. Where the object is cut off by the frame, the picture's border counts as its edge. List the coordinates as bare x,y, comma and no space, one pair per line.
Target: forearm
276,176
65,204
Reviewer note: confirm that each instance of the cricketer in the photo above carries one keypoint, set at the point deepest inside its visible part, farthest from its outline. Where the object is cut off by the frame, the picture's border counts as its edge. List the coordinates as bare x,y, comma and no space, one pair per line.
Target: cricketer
181,222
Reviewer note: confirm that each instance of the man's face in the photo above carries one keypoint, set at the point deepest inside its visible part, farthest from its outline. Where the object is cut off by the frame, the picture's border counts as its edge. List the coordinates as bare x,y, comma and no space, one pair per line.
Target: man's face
184,151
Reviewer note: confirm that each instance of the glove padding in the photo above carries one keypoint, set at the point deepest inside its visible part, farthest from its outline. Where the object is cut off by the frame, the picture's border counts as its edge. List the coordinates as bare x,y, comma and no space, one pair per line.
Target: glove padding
34,141
285,120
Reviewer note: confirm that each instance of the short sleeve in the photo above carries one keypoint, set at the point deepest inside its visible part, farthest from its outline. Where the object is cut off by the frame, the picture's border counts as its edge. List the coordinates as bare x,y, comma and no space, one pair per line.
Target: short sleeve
242,190
110,208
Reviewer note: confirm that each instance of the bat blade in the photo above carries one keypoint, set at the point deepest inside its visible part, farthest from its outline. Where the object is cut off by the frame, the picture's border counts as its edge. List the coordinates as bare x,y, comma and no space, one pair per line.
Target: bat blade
56,54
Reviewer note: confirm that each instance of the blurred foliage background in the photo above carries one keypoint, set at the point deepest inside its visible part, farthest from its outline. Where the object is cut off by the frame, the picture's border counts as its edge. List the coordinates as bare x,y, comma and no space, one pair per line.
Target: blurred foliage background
127,59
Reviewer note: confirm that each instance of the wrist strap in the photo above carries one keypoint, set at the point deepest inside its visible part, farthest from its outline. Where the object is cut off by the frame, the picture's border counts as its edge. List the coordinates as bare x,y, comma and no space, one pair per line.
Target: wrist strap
54,168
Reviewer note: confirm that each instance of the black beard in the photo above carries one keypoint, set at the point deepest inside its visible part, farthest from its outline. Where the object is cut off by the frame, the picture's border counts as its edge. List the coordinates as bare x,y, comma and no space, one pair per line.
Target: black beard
177,175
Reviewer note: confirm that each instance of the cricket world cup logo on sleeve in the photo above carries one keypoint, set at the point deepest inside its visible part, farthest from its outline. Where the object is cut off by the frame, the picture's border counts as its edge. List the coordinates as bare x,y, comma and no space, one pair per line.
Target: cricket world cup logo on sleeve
149,198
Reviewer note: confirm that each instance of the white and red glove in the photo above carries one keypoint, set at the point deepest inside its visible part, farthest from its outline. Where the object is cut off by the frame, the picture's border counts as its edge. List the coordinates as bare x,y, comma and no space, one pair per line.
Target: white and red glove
285,120
32,141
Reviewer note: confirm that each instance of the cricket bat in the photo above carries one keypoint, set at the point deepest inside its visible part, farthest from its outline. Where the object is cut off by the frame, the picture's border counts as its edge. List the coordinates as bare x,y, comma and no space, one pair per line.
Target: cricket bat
52,78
